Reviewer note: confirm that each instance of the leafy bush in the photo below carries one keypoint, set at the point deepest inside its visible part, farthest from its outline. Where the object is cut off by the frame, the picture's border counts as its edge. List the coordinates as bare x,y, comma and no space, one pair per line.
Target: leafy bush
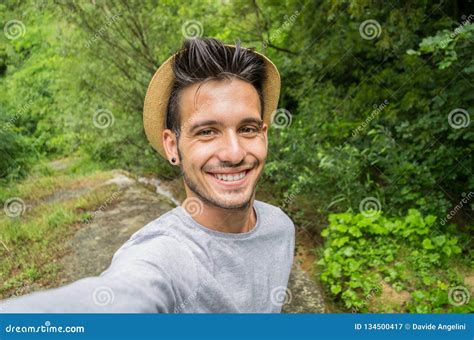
16,154
372,116
363,253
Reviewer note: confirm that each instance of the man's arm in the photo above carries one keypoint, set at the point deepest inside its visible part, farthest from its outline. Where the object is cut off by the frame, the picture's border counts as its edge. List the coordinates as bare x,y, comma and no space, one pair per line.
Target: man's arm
147,275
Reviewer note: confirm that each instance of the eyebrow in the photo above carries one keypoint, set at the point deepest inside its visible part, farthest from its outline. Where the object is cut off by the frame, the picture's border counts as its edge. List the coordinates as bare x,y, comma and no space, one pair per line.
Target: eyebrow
257,121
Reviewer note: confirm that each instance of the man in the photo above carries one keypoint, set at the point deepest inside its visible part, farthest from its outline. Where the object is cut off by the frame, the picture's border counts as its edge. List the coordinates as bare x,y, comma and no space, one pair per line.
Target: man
207,110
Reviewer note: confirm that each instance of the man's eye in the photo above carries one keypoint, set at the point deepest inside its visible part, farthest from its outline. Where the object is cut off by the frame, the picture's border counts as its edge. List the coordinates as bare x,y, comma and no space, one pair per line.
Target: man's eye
206,132
249,129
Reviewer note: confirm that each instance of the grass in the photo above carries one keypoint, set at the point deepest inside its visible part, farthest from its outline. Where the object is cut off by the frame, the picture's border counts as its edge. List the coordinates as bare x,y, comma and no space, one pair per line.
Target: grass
55,203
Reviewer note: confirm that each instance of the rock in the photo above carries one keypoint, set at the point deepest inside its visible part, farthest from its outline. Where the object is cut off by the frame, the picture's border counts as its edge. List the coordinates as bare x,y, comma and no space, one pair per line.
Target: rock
305,295
121,180
92,247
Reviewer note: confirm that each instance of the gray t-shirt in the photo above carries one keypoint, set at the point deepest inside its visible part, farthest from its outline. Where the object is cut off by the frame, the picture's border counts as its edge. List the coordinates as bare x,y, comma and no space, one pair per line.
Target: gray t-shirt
176,265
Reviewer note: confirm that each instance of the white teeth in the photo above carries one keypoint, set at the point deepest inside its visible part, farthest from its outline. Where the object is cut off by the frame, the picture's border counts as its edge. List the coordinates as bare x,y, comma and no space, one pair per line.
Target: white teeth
230,178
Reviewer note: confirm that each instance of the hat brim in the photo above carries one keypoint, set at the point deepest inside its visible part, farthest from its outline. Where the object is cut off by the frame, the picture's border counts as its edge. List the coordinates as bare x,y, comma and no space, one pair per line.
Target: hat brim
159,91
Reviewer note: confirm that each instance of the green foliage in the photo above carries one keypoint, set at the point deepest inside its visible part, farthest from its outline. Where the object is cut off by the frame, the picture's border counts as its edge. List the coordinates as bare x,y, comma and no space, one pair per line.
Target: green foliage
15,154
32,242
364,254
75,60
369,117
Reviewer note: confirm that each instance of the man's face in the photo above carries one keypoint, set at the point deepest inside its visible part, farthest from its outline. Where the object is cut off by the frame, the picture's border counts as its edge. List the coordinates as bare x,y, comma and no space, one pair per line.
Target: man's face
223,142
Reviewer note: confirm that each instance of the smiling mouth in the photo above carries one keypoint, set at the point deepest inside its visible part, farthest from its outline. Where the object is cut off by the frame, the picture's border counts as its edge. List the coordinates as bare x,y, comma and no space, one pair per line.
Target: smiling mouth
234,179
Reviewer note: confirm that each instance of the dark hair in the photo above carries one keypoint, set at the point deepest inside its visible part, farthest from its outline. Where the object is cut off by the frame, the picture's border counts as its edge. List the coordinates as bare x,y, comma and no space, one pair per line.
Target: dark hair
203,59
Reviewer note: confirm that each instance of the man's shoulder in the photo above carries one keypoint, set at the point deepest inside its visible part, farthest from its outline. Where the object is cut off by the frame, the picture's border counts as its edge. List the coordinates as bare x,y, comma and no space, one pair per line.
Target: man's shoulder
164,225
160,235
156,249
273,215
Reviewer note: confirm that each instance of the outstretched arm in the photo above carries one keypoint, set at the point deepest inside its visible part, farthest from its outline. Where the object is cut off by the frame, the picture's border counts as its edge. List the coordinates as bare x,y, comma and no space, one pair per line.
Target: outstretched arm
147,275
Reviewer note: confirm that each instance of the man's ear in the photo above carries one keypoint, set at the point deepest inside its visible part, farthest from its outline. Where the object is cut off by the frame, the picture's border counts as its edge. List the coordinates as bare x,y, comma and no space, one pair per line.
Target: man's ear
265,134
170,144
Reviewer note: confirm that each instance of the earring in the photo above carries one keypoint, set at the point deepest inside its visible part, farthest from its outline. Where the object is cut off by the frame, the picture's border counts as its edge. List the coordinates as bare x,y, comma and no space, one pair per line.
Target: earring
173,160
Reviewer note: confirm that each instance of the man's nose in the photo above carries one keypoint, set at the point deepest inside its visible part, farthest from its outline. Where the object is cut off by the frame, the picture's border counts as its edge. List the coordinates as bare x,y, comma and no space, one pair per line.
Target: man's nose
231,149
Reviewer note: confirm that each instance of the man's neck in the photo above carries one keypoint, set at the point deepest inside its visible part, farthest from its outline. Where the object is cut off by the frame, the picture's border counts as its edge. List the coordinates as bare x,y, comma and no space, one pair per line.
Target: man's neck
227,220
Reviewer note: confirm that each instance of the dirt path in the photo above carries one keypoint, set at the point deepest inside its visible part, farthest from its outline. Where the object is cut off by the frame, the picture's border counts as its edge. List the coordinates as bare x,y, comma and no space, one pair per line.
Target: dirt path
136,203
95,242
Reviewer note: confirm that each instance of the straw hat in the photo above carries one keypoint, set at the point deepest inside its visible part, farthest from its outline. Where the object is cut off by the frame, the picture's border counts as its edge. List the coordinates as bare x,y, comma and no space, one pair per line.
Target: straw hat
159,91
